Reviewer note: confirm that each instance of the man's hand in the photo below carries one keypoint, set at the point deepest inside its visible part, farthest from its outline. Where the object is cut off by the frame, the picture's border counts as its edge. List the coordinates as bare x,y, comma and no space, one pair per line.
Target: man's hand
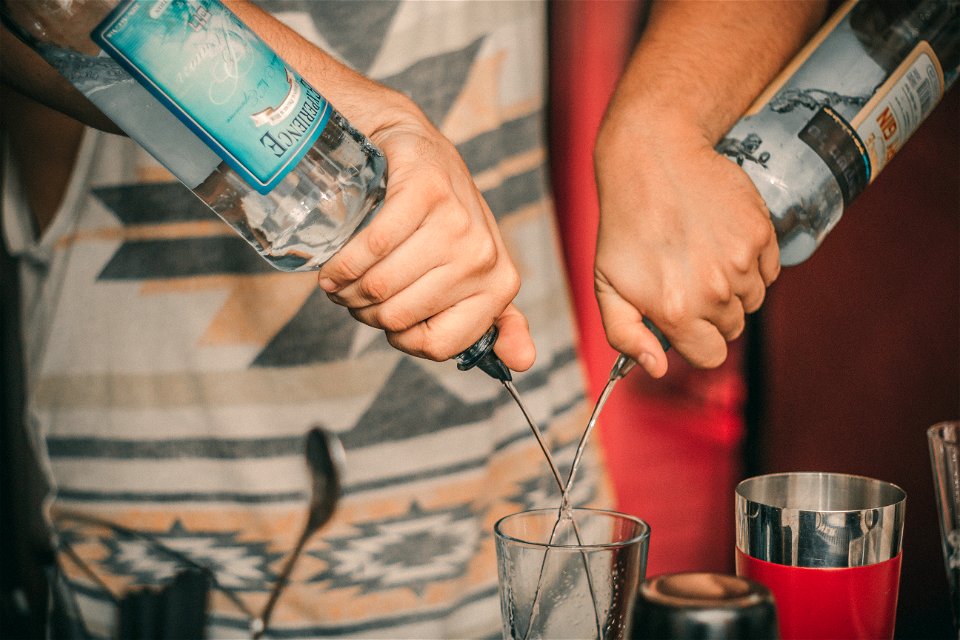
431,269
685,240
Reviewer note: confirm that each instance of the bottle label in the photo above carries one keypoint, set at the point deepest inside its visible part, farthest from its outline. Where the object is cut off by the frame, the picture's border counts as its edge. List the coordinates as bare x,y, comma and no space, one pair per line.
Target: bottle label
836,142
858,150
221,80
900,105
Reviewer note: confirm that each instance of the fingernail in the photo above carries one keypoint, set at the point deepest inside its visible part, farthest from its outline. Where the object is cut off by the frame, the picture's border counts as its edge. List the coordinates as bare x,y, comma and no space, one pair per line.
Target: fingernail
327,285
647,361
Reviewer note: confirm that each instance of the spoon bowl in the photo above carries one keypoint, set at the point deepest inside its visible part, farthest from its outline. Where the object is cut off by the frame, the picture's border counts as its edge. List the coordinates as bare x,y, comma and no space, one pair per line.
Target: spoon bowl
325,458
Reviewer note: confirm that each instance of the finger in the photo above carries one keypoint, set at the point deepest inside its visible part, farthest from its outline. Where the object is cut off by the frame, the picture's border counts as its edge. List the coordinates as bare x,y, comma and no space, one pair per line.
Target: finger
730,320
434,293
752,293
720,303
700,343
515,344
406,264
770,260
626,333
389,228
446,334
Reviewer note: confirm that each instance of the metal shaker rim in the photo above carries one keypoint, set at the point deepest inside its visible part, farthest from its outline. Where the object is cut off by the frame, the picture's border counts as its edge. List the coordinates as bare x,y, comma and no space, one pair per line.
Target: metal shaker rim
948,431
819,491
819,519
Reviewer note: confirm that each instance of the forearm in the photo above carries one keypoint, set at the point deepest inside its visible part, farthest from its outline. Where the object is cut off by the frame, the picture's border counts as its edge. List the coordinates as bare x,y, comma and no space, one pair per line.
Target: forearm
23,70
351,93
700,64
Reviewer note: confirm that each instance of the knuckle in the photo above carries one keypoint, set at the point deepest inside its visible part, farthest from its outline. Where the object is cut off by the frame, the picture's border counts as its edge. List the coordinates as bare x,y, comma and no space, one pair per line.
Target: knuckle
762,231
456,220
374,288
347,269
675,310
743,258
512,282
463,226
435,185
718,287
485,254
394,319
507,286
379,241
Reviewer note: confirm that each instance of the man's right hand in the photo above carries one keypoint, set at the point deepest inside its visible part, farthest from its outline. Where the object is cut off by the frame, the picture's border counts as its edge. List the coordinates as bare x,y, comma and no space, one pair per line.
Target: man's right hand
430,269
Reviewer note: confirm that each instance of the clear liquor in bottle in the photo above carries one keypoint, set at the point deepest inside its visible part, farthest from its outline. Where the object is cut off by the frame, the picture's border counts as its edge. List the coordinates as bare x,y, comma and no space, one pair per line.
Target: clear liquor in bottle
827,126
176,75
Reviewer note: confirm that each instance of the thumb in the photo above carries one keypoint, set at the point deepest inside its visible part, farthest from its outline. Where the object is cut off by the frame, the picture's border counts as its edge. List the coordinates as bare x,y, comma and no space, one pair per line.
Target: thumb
515,344
627,333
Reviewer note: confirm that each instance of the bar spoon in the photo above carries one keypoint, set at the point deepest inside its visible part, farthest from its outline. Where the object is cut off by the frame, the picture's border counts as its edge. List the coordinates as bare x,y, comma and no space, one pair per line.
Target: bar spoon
325,459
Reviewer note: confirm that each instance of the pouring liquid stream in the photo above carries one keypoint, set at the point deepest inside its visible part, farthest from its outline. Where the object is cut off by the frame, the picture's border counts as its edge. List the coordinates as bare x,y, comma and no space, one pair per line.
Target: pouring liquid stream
620,368
564,513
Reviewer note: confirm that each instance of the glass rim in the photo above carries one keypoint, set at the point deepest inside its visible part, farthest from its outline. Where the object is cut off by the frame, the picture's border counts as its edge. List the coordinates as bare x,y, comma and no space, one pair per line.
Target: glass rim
644,533
938,432
897,495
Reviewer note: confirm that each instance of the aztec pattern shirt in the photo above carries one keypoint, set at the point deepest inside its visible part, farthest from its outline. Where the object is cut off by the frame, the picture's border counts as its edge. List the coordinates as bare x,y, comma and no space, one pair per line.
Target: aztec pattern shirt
172,373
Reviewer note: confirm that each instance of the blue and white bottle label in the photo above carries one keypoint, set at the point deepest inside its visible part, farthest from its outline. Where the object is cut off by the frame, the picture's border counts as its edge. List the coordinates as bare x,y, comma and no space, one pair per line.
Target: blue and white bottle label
221,80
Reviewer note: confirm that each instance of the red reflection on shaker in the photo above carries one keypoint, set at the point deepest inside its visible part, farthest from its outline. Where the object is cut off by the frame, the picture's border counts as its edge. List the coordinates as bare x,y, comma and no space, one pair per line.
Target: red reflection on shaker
828,546
829,603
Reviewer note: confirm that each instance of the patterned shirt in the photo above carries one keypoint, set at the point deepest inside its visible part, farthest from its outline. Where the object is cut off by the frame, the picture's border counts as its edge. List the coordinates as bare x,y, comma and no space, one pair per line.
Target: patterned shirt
172,373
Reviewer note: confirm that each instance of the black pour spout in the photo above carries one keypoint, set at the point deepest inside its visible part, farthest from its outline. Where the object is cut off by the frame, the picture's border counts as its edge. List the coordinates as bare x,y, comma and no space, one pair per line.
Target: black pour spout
480,354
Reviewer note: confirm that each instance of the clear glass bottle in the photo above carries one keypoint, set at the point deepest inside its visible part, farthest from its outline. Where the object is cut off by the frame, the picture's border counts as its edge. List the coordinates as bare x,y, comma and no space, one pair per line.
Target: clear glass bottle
826,127
189,82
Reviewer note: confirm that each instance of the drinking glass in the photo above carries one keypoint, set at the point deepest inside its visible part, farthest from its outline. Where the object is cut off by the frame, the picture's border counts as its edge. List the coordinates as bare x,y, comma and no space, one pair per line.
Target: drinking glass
828,546
944,441
574,576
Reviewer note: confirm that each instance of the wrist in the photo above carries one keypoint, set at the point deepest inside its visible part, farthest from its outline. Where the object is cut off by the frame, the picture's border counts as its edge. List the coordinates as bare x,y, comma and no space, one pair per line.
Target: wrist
699,65
638,140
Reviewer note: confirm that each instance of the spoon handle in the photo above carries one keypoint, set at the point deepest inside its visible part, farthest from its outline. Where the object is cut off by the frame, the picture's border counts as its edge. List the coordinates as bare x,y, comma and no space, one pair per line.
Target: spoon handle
325,459
259,625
